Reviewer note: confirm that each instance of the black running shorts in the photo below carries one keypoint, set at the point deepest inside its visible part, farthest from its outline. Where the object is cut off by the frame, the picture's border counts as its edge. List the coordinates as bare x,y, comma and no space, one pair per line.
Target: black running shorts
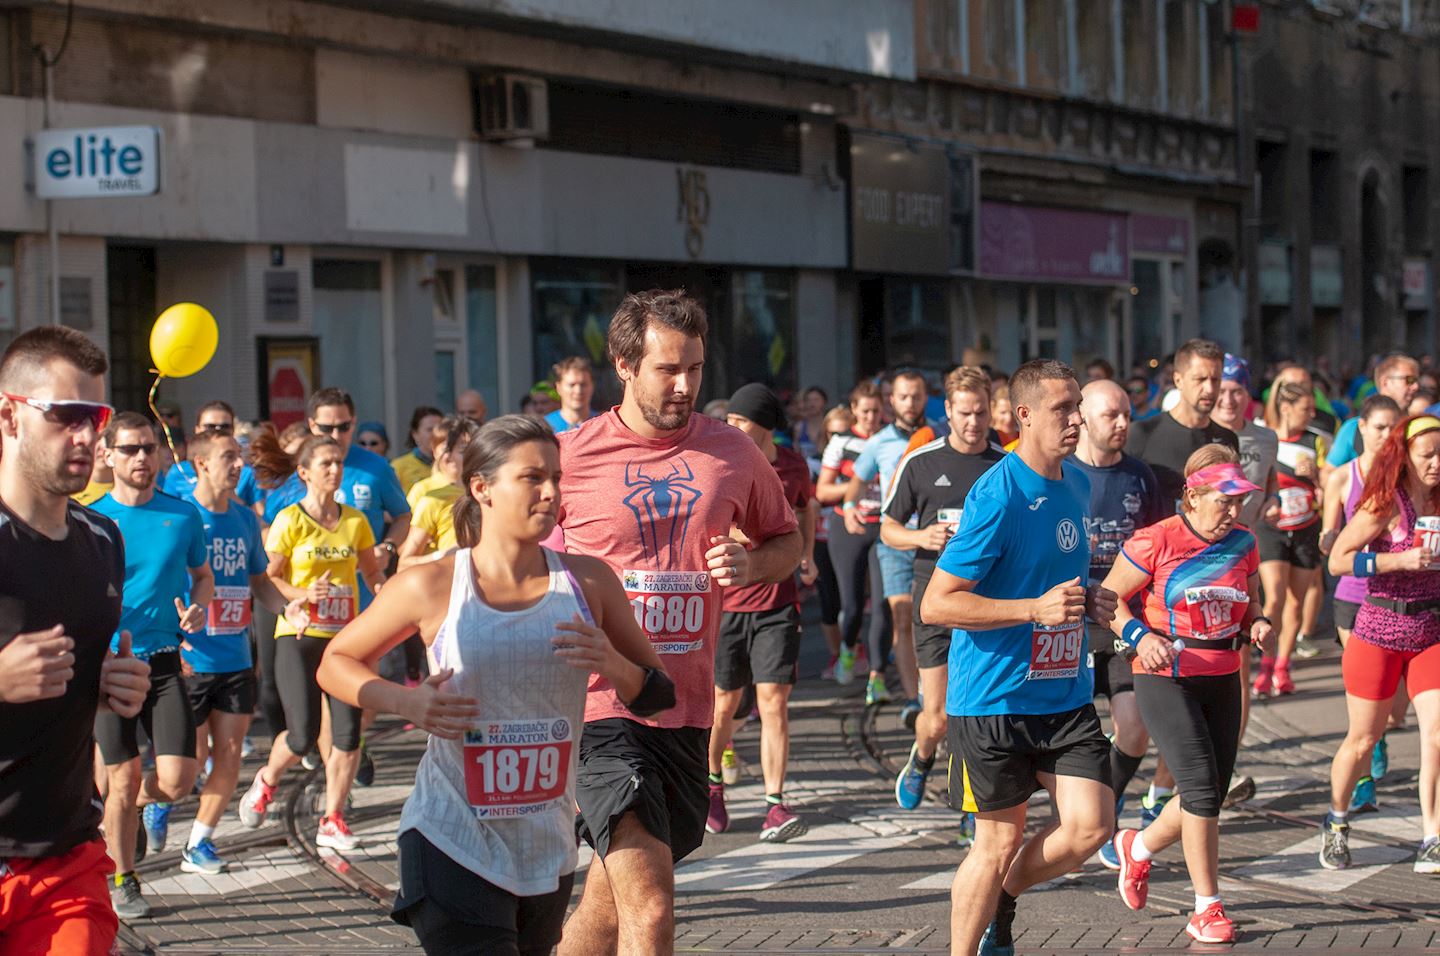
166,714
659,774
1300,548
1004,755
230,693
757,647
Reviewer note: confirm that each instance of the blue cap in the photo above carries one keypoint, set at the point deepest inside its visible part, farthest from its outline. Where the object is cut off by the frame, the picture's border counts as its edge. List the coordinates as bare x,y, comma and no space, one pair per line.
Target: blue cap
1237,370
377,428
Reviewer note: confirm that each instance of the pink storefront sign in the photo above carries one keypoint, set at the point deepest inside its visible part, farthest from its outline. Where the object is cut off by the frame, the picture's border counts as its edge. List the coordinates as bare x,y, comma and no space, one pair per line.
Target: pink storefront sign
1161,235
1055,245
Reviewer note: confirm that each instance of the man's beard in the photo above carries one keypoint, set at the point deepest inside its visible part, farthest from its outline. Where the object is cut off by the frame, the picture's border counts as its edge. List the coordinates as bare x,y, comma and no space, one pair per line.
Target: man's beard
51,479
655,414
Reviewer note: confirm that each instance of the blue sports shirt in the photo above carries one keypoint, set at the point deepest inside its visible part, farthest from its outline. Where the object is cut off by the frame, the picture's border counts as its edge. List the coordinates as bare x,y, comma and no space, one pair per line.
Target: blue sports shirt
237,553
1020,535
180,482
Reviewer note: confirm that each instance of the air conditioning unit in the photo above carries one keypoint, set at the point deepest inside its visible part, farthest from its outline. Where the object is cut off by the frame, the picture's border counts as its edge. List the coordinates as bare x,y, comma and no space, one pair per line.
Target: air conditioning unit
509,107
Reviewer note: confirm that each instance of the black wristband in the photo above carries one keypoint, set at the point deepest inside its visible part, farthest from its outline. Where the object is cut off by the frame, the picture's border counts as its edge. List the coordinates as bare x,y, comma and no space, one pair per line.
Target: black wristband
657,693
1257,620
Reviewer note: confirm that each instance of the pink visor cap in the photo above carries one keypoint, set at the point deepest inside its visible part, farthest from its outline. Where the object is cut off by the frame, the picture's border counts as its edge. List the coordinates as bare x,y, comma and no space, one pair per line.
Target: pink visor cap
1225,478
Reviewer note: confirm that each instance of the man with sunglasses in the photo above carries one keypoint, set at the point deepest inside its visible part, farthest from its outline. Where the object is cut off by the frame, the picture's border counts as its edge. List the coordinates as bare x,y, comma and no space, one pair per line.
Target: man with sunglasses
1396,377
168,586
214,418
55,665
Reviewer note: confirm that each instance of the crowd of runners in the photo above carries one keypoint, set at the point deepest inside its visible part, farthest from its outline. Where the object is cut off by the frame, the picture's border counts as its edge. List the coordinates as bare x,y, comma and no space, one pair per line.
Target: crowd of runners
581,607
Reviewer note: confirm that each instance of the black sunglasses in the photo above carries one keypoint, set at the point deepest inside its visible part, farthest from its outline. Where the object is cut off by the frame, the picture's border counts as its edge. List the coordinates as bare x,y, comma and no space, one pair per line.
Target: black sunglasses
341,427
130,451
219,428
370,443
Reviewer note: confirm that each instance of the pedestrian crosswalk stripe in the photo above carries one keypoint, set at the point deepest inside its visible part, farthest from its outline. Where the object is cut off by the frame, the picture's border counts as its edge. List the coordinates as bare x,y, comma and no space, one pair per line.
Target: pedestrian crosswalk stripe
1299,864
760,866
263,870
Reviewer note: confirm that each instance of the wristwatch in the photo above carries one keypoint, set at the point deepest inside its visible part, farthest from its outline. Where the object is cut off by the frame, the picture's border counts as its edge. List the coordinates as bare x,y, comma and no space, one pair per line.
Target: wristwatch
389,546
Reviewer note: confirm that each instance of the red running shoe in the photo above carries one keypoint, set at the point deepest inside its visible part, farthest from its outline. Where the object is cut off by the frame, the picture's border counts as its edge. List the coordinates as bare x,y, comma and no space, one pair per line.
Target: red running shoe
1283,683
1211,926
1134,874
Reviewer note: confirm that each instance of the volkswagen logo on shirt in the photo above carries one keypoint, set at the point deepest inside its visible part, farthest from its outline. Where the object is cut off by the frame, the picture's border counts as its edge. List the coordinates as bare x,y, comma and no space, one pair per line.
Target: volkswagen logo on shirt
1067,535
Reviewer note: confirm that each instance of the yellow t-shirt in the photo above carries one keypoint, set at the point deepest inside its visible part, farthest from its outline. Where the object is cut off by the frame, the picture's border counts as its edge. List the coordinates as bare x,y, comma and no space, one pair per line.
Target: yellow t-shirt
312,550
423,487
93,492
409,470
436,514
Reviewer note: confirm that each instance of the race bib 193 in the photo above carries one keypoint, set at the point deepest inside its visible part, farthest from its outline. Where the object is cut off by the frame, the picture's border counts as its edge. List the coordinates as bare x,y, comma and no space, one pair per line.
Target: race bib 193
1055,652
1215,612
229,611
673,608
514,768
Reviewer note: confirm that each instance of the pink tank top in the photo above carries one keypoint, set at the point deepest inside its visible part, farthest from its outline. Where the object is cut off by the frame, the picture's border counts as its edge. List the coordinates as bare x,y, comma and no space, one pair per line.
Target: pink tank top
1348,588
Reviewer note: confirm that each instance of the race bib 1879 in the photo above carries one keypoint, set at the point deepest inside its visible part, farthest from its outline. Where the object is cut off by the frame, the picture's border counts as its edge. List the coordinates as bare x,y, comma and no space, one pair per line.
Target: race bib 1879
673,608
517,767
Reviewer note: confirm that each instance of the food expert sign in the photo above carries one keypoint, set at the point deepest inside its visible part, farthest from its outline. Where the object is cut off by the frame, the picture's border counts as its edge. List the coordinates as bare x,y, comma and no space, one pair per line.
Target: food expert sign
100,162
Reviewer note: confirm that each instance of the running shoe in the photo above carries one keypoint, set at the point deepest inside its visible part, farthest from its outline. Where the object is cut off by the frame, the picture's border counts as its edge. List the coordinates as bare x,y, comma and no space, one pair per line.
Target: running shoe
910,784
126,899
1380,759
829,672
247,748
365,772
781,825
845,666
1427,859
1284,685
256,801
1150,808
1242,788
335,834
1134,878
1334,843
1108,856
909,713
1211,926
310,761
142,845
967,830
875,691
1306,649
156,818
988,946
202,858
717,820
1264,678
730,766
1363,799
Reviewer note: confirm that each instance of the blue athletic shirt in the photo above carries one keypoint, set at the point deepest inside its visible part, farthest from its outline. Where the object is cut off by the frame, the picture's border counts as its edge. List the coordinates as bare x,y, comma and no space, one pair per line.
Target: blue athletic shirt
1019,536
882,453
369,485
558,423
180,482
164,539
237,553
1347,445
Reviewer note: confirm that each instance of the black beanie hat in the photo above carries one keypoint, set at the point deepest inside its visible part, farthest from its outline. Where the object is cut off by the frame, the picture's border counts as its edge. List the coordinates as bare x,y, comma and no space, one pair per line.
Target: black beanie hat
759,404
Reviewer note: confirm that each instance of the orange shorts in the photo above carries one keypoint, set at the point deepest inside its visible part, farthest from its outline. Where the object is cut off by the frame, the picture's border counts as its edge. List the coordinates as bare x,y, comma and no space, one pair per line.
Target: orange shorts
1373,673
58,905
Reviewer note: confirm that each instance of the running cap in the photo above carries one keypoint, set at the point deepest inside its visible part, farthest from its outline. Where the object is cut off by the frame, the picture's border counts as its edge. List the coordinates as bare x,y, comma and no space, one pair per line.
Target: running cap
1227,478
545,388
1235,369
375,428
1420,425
757,403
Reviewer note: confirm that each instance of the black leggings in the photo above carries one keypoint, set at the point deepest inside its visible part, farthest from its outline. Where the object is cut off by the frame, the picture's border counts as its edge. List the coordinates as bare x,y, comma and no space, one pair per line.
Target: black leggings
296,663
826,584
855,561
1195,723
270,707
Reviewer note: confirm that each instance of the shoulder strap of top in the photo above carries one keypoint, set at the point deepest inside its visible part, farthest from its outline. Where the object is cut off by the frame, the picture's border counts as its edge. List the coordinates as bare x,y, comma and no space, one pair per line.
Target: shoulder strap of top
559,571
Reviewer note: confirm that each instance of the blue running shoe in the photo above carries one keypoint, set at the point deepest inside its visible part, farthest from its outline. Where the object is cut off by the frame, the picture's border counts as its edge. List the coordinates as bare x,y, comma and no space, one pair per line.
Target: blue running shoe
1150,809
1362,800
910,784
909,712
1380,759
202,858
1109,858
988,946
1119,809
967,831
156,818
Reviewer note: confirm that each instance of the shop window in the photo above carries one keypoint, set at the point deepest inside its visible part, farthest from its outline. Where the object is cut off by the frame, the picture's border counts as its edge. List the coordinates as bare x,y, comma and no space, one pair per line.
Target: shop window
1270,165
1141,60
482,347
1219,81
753,340
570,314
1094,51
1147,311
1044,40
1324,196
445,380
998,40
917,324
1179,72
348,306
1416,208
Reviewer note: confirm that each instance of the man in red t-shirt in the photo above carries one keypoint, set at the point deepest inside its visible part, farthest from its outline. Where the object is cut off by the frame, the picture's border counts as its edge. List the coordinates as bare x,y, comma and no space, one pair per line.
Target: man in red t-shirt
759,640
654,490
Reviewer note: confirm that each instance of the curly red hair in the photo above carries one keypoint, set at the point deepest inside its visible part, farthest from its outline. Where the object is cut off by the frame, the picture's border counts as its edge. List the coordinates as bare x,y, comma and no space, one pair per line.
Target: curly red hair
1391,470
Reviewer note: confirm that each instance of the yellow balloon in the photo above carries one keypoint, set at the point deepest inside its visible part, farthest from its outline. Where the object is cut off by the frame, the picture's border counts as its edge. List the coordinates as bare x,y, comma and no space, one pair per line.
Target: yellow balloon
183,340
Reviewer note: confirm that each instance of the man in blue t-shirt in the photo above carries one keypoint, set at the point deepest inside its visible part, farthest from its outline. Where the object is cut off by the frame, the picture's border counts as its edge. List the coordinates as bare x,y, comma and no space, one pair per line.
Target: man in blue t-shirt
575,384
218,418
1011,583
168,585
1398,377
221,681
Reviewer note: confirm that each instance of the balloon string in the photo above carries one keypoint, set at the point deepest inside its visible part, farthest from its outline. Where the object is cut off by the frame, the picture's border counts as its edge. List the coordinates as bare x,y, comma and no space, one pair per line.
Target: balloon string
160,422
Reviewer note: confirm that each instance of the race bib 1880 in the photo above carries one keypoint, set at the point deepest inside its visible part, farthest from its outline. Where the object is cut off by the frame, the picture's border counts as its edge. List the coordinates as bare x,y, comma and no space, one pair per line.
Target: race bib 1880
673,608
517,767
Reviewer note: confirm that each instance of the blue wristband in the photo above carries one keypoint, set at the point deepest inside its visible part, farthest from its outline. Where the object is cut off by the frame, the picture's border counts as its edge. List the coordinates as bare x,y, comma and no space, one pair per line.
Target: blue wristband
1133,631
1364,564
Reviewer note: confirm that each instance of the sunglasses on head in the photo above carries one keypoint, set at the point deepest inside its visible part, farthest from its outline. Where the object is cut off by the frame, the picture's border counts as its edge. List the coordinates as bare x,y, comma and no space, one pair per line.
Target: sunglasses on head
68,413
130,451
341,427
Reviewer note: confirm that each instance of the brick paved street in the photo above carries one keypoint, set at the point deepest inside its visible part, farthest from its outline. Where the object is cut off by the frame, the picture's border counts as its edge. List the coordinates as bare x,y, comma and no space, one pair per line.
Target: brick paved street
868,876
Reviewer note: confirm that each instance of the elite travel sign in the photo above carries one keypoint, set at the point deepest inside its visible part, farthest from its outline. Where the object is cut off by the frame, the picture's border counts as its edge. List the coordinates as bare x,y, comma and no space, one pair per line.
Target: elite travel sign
99,162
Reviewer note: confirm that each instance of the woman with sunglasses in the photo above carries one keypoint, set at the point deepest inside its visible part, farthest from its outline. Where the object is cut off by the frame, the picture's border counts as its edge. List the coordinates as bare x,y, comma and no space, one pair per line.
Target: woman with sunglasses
1198,571
487,836
372,436
1391,543
318,549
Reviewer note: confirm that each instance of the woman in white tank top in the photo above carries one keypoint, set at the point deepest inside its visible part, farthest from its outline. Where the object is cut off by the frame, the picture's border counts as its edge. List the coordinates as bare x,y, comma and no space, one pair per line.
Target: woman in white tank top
514,631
